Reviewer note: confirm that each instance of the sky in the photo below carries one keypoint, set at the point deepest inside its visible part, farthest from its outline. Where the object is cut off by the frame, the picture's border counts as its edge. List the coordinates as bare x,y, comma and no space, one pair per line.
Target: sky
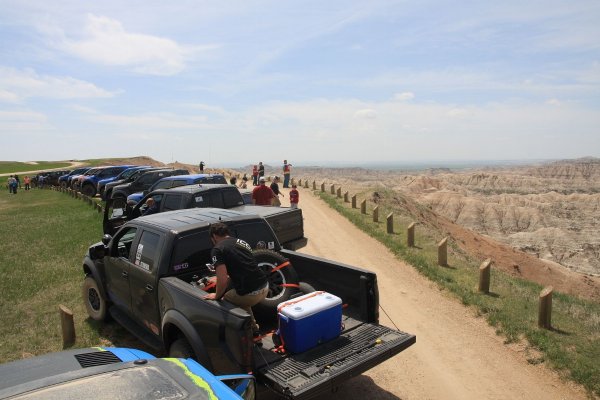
314,82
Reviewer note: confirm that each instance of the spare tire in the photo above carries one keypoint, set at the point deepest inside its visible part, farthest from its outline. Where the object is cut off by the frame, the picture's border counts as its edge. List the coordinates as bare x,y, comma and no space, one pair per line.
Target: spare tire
279,292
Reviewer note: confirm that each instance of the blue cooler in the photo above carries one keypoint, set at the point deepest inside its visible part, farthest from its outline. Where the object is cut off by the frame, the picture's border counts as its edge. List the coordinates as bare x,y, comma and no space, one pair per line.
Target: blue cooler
309,320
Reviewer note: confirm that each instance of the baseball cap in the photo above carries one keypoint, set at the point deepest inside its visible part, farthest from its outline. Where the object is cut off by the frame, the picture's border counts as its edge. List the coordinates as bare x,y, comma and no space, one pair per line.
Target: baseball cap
262,179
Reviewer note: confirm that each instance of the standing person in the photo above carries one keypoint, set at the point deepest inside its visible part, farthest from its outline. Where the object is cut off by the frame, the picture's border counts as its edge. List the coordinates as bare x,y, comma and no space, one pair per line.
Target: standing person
235,264
18,181
262,195
261,170
233,181
201,167
294,196
287,170
9,183
255,175
12,185
27,181
275,189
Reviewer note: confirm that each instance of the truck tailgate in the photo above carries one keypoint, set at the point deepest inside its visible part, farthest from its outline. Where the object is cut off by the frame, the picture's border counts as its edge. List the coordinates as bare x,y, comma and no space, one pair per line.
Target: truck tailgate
321,369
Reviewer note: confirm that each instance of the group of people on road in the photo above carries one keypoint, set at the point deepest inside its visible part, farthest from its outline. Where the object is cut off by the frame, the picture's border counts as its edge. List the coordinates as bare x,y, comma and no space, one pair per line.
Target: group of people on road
264,195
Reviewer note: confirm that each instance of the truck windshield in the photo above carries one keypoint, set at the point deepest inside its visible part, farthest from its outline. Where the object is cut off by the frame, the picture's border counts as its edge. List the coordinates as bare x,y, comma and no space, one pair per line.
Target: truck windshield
259,235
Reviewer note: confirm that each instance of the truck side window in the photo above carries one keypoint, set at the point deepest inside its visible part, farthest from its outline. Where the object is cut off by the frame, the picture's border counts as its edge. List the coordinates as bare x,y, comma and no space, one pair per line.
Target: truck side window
179,182
215,199
171,202
147,251
122,246
232,198
191,252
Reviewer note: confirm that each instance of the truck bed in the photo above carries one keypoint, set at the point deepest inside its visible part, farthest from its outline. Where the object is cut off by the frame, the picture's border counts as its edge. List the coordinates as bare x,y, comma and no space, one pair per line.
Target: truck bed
320,370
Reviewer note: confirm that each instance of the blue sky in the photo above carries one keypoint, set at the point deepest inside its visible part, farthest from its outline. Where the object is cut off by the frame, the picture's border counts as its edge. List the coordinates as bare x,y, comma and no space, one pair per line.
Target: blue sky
316,82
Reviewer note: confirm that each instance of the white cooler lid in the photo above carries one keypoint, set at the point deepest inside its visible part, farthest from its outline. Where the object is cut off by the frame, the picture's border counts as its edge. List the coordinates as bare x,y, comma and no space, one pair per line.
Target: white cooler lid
309,304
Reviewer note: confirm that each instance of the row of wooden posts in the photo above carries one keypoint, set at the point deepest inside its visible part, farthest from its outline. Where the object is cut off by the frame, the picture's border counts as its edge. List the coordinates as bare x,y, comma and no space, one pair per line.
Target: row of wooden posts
545,297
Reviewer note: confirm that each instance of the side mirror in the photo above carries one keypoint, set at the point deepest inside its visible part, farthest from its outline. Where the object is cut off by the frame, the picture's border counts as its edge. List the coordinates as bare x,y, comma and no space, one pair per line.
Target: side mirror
106,239
98,252
243,385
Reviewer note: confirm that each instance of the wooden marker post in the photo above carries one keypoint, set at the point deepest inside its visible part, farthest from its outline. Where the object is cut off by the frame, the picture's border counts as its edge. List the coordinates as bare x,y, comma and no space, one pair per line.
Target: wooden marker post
354,201
323,187
390,223
339,192
484,276
376,214
332,189
363,207
314,185
67,326
346,197
306,184
545,311
410,235
443,252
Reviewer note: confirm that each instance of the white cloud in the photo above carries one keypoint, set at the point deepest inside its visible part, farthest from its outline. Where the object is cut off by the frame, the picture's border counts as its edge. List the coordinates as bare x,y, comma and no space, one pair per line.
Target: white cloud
22,121
21,84
456,112
105,41
553,102
404,96
366,114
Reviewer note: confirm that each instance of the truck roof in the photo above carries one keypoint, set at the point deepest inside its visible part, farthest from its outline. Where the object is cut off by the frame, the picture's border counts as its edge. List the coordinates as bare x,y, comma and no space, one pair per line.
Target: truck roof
195,188
180,221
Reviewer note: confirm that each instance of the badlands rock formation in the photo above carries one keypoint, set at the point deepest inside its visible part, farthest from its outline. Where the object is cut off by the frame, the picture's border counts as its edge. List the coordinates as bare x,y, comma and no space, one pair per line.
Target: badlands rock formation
543,216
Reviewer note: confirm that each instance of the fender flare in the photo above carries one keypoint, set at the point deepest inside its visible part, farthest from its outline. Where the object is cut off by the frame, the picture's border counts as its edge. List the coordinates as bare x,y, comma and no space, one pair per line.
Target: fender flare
177,319
89,268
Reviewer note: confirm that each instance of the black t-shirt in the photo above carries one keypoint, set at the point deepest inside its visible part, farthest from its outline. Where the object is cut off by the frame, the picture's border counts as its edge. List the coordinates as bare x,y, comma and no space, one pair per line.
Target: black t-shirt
241,265
275,188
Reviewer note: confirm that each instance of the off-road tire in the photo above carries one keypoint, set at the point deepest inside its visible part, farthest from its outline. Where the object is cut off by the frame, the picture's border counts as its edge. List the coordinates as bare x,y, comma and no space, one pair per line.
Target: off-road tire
181,348
268,260
88,190
95,304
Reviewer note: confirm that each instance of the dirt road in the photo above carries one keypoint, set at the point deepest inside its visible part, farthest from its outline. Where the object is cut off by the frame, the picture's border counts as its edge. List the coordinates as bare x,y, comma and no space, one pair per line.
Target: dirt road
457,355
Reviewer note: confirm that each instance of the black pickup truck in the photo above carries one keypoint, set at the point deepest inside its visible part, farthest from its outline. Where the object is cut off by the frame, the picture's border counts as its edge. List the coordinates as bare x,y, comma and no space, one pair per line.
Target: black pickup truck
145,278
287,223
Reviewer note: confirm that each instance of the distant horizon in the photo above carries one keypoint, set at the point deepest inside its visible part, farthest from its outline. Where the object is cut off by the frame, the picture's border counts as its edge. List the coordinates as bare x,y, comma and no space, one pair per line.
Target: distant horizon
375,165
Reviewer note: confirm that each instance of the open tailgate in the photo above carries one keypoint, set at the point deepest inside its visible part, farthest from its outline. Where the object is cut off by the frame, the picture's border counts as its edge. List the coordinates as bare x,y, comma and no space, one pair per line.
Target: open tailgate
323,368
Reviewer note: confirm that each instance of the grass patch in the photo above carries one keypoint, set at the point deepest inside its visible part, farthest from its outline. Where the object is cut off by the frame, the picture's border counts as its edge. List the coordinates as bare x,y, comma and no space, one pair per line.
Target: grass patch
572,347
10,167
44,237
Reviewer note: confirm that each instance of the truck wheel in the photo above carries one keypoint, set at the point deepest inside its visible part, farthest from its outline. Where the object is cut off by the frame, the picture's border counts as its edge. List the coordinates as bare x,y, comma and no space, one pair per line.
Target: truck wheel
95,304
88,190
63,184
278,291
181,349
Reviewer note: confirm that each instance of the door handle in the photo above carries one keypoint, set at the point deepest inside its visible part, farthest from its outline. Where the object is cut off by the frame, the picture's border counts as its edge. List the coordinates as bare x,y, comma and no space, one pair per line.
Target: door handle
149,287
124,274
